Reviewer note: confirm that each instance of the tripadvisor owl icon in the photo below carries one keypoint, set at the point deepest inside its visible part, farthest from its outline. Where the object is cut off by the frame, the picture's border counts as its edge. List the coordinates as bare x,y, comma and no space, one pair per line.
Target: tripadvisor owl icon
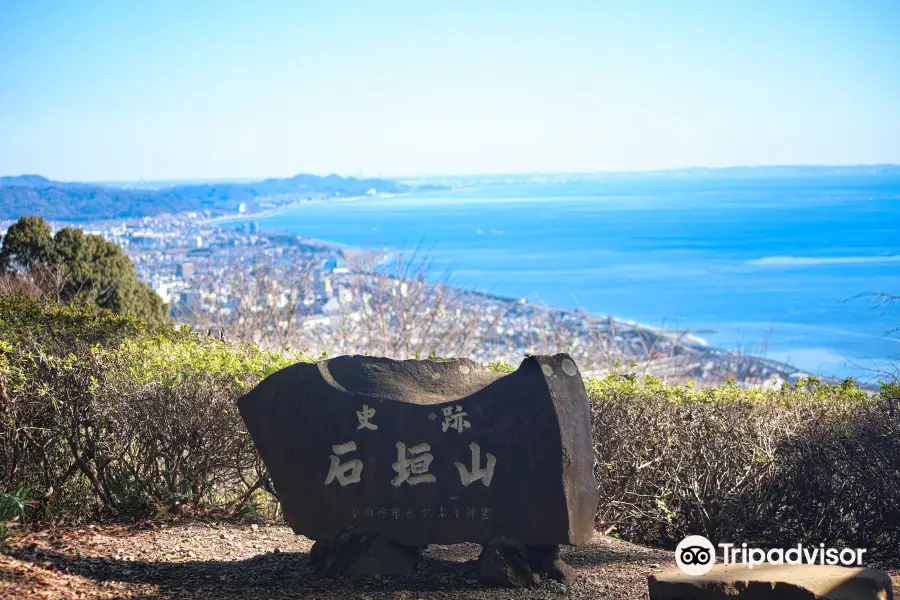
695,555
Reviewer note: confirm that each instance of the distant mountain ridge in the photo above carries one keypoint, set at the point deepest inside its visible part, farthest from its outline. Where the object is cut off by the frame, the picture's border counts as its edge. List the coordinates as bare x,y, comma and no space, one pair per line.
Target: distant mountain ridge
73,201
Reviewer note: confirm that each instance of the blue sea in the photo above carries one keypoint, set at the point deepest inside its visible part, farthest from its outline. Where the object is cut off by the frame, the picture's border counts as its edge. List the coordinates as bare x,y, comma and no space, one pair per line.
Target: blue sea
770,265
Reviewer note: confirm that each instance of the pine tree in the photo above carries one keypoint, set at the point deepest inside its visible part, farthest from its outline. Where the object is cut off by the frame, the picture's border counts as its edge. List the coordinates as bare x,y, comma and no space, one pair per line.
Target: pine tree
79,268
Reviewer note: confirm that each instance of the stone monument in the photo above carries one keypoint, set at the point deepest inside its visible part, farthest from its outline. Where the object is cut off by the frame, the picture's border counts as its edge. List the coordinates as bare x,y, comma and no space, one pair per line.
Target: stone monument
377,458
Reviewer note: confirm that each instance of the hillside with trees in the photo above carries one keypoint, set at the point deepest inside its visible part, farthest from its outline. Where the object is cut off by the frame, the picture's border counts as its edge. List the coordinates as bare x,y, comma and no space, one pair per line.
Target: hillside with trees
65,201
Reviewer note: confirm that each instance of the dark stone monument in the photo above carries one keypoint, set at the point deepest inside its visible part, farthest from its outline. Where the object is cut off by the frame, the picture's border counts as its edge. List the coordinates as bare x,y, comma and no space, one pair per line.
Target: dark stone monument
425,452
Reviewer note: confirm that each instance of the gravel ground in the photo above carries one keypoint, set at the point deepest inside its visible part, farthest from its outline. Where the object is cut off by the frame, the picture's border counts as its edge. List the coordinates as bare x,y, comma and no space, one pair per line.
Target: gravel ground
215,560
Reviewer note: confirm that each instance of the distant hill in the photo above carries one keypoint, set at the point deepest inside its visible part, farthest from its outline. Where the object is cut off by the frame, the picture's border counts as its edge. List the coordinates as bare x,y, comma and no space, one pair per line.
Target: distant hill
69,201
25,180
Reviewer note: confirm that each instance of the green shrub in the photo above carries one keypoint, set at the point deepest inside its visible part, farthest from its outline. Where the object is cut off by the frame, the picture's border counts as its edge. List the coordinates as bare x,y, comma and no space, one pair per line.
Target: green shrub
807,462
106,416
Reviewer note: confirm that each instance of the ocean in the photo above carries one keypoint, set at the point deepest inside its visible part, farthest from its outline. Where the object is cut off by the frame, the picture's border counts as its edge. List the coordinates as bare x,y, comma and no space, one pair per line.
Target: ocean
770,265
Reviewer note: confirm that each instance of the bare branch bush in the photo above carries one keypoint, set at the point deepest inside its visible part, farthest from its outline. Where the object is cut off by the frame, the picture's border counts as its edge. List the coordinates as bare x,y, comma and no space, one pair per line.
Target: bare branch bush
18,283
398,308
592,346
390,309
887,371
393,310
260,299
806,461
52,281
42,280
603,345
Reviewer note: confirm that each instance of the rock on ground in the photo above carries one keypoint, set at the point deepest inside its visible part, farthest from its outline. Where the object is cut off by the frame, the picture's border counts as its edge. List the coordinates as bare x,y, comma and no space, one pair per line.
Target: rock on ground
778,582
209,560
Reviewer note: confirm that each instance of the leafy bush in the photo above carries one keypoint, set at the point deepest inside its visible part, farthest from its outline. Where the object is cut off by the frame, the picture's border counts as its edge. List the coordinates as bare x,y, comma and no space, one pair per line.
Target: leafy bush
105,416
808,462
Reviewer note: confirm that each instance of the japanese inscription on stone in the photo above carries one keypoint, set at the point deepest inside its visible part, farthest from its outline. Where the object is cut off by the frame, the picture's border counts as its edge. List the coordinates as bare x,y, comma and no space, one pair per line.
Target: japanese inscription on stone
412,463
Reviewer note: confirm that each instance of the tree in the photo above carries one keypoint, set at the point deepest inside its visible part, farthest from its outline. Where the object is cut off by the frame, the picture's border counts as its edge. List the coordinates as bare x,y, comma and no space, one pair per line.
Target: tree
28,242
78,268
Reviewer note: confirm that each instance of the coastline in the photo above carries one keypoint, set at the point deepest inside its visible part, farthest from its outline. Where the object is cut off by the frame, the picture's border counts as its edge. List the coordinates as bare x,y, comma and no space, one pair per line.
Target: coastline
271,212
692,343
814,345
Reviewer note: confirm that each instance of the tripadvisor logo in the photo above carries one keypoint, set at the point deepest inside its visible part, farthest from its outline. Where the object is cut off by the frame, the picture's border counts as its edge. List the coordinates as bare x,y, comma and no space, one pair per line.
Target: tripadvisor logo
696,555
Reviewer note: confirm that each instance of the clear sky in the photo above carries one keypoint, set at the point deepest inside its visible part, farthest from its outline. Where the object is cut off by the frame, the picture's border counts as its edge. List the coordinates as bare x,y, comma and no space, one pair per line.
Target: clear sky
169,89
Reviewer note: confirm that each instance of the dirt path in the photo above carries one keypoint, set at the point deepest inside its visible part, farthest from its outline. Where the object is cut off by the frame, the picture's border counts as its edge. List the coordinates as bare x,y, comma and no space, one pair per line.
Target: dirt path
211,561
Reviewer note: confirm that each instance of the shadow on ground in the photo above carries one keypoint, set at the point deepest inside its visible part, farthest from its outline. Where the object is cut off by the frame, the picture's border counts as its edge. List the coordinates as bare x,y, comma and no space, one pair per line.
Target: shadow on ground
444,569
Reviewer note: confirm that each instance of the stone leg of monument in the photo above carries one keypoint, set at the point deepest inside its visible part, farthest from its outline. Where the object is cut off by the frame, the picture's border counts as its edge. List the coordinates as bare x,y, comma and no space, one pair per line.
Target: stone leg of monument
402,454
504,562
546,561
360,554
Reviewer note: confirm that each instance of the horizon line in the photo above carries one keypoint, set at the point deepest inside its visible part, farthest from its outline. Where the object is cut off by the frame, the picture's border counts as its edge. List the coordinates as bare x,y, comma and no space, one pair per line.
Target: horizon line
250,179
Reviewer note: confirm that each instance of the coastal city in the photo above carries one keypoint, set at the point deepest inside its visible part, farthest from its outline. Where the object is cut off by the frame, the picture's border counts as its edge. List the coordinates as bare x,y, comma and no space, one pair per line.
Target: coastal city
450,301
286,292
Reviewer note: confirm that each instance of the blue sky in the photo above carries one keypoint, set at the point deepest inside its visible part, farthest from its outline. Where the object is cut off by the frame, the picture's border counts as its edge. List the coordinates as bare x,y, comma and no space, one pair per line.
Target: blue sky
116,90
